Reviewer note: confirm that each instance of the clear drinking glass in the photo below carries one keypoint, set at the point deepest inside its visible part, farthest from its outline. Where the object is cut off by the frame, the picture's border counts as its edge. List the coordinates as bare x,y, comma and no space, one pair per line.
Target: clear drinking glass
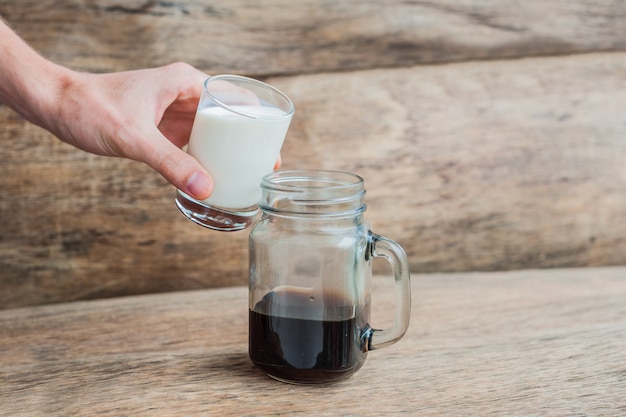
310,278
237,134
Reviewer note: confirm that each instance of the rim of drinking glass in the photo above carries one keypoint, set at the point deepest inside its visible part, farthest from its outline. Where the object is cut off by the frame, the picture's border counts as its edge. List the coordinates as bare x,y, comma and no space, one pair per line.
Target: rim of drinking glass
249,80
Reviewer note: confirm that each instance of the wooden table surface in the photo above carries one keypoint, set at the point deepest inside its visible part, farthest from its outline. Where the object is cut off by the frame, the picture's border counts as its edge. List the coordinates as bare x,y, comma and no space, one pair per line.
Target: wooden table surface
522,343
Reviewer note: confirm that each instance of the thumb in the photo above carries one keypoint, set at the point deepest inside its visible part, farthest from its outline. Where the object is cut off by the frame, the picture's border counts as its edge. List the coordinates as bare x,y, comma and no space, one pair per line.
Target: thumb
178,167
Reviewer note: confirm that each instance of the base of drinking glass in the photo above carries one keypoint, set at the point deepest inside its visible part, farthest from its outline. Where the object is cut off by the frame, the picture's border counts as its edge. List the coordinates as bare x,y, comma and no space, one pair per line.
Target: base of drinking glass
215,218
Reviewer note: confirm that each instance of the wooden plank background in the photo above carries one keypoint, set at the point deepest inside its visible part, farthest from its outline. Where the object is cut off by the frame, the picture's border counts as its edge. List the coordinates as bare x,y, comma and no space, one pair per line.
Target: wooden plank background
491,135
279,37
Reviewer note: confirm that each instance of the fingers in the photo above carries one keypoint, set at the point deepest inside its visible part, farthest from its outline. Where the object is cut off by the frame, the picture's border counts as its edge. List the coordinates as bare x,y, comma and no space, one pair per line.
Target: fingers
199,185
179,168
278,163
175,111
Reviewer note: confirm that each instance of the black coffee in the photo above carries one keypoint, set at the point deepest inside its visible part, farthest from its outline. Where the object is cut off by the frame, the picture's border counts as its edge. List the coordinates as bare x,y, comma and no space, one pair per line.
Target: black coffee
306,350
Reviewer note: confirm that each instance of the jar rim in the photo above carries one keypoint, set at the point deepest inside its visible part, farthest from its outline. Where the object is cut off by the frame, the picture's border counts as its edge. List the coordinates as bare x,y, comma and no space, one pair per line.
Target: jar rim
314,192
291,179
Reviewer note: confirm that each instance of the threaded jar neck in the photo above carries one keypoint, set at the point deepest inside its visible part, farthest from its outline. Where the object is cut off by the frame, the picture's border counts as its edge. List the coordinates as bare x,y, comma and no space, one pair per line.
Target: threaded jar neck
313,193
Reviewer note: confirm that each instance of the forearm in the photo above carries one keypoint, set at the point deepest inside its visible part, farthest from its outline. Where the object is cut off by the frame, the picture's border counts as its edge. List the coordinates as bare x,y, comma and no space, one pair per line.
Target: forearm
145,115
29,83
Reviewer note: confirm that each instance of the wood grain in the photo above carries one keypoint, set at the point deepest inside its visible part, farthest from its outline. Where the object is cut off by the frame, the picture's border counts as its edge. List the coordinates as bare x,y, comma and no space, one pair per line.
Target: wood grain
308,36
513,164
520,343
471,166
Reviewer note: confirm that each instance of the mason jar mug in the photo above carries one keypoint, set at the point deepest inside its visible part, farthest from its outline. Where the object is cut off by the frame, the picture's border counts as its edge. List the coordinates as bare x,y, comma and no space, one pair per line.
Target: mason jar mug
310,278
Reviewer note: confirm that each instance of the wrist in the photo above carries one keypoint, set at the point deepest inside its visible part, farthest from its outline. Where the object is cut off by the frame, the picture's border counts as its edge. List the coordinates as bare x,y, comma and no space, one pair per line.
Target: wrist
29,83
50,96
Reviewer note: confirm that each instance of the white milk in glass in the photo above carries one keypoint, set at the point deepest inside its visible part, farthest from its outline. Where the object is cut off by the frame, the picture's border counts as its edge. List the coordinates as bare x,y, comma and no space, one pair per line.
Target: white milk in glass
237,151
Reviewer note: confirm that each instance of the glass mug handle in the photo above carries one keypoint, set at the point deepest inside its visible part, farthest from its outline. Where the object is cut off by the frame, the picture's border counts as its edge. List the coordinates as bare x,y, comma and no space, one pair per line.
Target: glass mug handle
381,247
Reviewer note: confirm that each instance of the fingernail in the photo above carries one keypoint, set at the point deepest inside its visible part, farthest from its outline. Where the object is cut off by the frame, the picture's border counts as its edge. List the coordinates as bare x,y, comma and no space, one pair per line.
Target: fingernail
198,185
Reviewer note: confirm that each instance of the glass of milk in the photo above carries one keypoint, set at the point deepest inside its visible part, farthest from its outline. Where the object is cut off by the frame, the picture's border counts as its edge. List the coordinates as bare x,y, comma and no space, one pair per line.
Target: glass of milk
237,134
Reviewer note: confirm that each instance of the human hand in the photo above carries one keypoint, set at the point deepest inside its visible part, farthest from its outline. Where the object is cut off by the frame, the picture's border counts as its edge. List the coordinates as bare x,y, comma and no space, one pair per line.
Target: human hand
145,115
